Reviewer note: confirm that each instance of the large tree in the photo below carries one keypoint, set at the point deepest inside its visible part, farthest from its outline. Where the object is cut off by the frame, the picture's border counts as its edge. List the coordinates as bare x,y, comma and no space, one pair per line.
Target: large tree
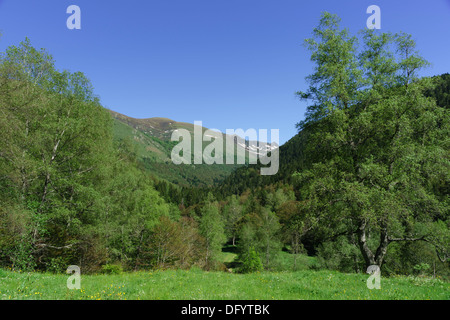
376,146
55,138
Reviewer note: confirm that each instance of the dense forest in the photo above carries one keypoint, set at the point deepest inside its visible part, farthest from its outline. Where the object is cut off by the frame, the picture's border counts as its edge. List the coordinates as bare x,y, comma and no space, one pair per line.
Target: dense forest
364,182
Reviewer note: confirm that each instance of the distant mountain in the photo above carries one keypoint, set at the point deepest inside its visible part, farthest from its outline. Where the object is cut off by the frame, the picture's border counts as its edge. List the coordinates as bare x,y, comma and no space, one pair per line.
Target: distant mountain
160,128
152,139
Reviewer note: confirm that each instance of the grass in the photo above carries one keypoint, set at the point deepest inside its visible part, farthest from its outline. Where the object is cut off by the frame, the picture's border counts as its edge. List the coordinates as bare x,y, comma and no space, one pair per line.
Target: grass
200,285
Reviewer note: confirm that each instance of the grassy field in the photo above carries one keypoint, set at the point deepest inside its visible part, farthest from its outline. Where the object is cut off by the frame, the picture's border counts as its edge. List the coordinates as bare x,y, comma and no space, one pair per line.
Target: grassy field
200,285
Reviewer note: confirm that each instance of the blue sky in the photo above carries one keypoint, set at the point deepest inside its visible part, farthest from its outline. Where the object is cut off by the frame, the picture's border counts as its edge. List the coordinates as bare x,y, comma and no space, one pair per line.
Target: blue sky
229,63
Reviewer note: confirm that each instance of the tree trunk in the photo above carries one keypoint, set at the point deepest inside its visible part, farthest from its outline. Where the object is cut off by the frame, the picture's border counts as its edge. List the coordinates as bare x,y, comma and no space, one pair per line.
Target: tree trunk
370,258
382,248
367,254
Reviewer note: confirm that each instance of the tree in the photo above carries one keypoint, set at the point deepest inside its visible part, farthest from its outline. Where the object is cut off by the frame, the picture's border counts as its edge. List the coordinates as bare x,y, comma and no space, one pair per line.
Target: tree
260,232
276,199
232,213
251,262
267,228
68,194
376,145
57,137
296,222
212,229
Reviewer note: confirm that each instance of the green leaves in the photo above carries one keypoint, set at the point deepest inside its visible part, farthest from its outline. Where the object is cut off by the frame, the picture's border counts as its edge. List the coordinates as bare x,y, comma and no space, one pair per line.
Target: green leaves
335,79
211,227
58,160
251,262
371,133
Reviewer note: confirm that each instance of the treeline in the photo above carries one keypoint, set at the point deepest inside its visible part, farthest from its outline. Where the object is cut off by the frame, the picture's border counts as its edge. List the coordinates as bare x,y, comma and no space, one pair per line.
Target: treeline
257,225
291,160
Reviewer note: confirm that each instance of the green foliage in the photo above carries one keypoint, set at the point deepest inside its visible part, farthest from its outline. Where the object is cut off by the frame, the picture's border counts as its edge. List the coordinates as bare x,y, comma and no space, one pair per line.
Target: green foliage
371,183
174,244
232,213
70,194
260,233
112,269
57,265
211,227
422,268
341,255
377,146
441,90
57,139
153,151
371,158
251,262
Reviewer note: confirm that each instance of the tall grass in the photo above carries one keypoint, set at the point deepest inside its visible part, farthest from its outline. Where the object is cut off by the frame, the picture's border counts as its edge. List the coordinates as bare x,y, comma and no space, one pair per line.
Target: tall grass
200,285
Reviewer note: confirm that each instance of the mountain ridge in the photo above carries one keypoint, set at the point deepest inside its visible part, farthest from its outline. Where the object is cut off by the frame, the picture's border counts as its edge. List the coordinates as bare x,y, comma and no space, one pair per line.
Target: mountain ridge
151,138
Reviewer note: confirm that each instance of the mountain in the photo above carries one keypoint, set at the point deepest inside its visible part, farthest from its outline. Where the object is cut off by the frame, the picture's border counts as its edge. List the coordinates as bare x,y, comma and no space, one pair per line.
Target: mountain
151,139
160,128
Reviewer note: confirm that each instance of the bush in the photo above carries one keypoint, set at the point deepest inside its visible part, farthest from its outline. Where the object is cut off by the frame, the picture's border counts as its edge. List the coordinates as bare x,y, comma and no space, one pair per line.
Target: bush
112,269
57,265
422,268
251,262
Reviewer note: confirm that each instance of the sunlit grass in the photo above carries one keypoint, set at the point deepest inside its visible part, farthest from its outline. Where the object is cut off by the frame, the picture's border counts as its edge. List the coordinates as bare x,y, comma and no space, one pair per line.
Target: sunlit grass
201,285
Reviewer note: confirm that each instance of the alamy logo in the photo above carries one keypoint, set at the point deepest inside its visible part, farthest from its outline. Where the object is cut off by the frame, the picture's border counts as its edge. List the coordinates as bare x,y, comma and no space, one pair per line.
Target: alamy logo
249,142
374,281
374,21
74,20
74,281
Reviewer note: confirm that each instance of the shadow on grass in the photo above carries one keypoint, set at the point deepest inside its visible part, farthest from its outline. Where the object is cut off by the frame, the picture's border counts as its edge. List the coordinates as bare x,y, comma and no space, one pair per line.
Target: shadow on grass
229,248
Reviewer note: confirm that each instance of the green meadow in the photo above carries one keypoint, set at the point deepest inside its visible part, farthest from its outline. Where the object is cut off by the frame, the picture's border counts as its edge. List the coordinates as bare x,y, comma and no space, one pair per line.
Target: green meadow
196,284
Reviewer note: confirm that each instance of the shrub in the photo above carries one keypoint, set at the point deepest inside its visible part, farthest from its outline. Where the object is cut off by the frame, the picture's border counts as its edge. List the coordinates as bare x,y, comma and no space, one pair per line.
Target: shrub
251,262
112,269
57,265
421,268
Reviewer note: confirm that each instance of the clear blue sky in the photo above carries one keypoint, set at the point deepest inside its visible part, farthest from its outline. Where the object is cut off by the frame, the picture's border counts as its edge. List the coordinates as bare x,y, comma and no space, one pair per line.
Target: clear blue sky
229,63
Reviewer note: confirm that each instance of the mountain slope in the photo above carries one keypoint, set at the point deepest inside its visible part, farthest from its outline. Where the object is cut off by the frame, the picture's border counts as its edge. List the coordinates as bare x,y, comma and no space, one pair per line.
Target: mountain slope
151,139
